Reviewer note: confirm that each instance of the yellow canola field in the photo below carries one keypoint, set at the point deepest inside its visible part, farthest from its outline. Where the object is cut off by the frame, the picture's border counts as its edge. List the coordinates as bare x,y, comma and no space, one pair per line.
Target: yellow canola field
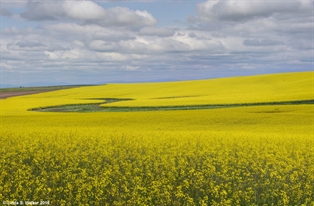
260,88
262,155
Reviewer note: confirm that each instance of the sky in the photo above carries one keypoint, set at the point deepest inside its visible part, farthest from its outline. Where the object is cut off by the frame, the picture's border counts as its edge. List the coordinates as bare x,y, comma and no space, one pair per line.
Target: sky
96,42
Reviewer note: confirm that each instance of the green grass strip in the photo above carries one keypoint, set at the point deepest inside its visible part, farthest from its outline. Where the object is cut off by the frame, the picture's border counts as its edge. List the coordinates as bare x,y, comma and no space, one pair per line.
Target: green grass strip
95,107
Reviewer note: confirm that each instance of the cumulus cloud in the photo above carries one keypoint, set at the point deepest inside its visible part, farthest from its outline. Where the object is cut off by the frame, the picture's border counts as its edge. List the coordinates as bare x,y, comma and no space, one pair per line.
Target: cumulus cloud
256,24
157,31
233,10
86,33
225,38
29,44
26,45
120,16
263,42
87,12
61,10
137,47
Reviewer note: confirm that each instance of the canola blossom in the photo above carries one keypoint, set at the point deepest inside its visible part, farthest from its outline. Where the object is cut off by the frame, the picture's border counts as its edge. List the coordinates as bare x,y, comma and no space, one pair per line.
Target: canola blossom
262,155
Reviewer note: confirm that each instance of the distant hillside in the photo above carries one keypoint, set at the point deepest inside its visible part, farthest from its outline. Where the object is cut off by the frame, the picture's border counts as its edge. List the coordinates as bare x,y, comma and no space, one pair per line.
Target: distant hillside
247,89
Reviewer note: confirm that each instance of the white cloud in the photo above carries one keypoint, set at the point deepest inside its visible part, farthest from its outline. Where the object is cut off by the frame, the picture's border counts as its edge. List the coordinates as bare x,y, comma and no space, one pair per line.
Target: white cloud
87,12
51,55
235,10
119,16
26,46
73,54
82,10
226,38
71,29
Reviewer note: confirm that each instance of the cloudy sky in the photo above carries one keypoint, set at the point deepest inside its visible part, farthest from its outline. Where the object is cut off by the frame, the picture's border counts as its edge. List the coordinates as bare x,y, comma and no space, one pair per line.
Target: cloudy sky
91,42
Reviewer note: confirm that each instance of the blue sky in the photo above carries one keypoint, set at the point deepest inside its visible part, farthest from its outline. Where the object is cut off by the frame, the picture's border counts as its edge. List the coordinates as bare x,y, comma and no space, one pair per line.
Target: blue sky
91,42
